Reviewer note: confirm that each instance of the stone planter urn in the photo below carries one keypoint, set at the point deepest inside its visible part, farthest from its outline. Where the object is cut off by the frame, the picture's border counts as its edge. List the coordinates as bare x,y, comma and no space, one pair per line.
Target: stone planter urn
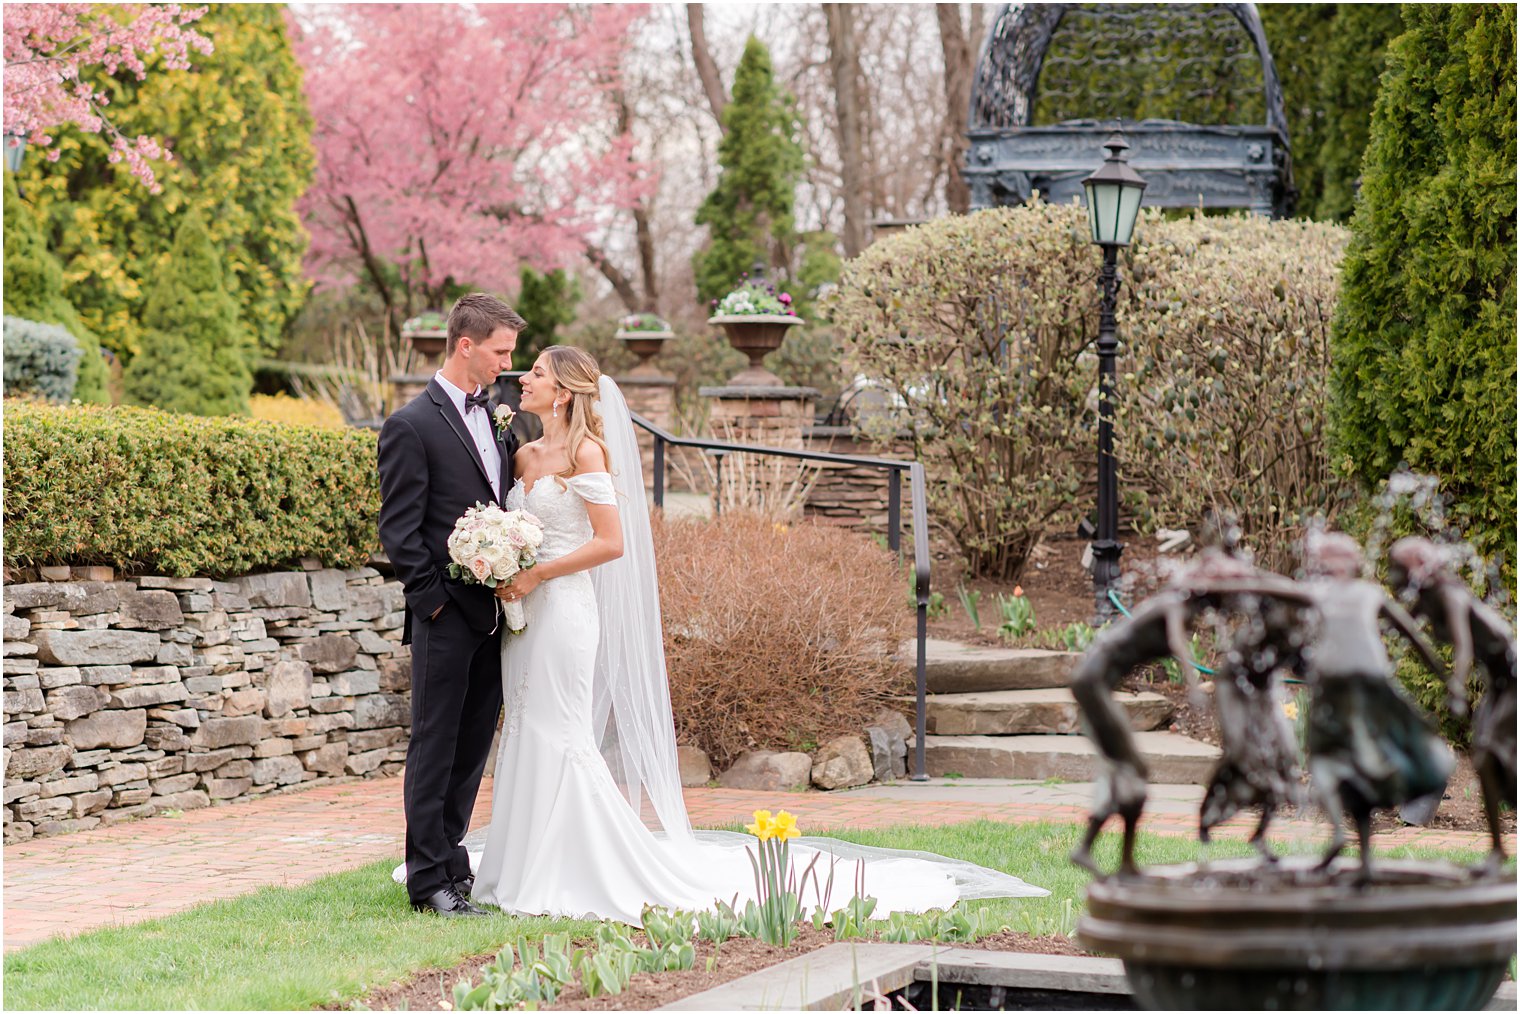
644,344
428,342
756,335
428,332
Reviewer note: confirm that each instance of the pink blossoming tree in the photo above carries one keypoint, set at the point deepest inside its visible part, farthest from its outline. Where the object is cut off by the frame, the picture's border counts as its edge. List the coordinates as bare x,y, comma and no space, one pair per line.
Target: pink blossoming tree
53,49
456,144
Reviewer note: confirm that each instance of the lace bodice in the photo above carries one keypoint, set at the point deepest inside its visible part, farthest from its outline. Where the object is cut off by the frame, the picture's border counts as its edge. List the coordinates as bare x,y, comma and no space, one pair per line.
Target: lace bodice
562,508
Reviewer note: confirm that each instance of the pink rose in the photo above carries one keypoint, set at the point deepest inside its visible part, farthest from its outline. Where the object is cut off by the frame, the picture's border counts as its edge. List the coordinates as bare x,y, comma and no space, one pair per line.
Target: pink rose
481,568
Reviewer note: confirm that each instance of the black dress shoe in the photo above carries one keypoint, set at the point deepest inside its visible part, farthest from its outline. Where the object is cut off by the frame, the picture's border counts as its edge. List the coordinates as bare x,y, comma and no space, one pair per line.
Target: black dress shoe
446,901
464,886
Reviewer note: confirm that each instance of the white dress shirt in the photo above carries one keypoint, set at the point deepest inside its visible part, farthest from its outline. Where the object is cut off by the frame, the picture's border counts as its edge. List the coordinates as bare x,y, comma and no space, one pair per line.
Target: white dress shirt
480,425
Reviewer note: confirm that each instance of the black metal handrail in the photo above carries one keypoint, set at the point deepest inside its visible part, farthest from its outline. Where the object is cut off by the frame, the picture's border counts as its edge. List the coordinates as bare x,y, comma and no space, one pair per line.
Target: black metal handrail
919,501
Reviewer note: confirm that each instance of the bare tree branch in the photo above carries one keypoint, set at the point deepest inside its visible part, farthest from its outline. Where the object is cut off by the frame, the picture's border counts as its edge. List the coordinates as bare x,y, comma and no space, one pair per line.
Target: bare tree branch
958,71
707,68
620,282
844,64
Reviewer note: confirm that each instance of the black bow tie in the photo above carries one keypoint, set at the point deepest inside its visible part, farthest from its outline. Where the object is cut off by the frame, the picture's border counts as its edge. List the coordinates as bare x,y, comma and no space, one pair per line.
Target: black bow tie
480,400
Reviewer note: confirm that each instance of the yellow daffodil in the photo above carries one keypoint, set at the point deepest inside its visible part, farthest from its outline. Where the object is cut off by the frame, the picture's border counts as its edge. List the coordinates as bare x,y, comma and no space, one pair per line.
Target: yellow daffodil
1290,708
764,826
785,826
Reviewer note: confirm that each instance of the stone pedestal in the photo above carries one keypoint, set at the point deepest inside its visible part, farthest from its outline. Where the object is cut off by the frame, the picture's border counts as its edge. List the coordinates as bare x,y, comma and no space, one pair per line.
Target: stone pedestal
405,387
651,394
769,416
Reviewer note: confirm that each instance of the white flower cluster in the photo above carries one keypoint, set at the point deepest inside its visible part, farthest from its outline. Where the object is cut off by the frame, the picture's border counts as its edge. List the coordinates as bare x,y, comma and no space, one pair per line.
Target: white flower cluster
490,545
737,302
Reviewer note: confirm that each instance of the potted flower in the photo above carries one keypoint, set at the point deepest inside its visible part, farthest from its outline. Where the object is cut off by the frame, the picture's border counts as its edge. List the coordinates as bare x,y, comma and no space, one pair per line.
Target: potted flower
755,319
644,334
428,332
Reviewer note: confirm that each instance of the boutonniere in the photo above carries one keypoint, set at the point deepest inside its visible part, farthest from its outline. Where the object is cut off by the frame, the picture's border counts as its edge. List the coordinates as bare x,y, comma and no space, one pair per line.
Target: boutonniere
504,417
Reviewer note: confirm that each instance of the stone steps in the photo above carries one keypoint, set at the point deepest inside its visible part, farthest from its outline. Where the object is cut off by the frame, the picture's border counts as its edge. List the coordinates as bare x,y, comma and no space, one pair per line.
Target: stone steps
995,712
954,668
1051,711
1172,759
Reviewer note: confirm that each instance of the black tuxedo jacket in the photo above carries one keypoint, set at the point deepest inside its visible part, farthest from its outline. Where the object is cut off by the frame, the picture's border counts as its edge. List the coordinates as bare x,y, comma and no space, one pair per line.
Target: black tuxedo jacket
430,474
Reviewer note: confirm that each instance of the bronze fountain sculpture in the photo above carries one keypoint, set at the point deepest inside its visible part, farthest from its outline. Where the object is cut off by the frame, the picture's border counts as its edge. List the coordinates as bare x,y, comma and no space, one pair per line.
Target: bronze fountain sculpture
1299,932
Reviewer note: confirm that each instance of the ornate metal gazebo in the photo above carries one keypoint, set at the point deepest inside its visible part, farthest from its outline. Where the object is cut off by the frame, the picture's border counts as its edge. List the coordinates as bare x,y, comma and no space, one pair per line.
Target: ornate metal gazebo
1129,56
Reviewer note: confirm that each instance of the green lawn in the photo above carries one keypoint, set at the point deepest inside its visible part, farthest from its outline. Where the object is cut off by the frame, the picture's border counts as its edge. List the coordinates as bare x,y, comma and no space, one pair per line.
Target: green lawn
336,938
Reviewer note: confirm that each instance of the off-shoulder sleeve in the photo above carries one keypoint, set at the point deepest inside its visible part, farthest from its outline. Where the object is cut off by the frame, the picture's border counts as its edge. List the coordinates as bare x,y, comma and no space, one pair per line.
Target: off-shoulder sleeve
593,487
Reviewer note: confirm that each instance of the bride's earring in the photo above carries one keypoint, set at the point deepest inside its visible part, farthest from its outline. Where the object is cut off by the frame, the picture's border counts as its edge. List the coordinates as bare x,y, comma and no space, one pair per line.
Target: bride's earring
555,413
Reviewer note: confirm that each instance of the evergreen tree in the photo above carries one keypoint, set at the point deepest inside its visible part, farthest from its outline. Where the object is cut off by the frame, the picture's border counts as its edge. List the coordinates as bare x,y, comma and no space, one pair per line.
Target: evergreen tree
749,214
1329,60
195,347
547,302
1424,338
34,291
239,128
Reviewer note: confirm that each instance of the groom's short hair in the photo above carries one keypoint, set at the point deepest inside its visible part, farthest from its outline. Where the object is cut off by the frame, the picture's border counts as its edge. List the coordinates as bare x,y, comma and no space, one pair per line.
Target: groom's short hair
477,316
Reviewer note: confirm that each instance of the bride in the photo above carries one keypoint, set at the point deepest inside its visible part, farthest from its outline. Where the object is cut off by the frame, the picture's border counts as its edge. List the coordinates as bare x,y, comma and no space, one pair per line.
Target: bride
587,818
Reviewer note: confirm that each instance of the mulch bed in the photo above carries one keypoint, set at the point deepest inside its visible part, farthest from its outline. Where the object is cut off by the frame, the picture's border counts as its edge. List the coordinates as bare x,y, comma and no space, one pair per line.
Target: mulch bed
736,958
1055,582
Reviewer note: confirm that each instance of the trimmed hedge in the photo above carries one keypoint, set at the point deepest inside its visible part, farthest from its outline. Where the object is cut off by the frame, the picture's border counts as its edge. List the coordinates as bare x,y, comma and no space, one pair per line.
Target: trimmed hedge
183,495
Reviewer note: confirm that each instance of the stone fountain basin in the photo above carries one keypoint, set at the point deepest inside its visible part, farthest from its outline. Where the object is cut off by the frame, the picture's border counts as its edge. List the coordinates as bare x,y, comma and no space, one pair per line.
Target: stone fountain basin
1238,935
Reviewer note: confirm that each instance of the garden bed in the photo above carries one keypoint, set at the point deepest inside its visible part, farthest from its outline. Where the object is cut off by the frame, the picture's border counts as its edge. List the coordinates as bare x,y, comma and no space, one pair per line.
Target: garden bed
736,958
1055,582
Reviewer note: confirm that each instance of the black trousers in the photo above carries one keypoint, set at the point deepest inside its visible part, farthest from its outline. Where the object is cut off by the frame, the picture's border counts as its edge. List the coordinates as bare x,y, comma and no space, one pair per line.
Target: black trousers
456,700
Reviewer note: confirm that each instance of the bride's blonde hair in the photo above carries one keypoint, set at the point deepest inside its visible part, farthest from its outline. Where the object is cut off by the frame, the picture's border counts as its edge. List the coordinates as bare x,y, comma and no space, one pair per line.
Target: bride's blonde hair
576,371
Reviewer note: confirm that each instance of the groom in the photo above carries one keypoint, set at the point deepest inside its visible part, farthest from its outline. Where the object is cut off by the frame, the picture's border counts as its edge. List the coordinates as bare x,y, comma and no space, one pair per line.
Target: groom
440,455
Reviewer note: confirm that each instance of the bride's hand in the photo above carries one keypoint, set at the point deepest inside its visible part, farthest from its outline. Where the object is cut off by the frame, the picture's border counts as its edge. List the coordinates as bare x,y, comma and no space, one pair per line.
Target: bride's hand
518,588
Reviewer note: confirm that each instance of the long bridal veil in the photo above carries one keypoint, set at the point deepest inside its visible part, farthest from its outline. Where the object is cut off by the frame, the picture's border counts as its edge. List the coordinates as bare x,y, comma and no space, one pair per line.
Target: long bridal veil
631,693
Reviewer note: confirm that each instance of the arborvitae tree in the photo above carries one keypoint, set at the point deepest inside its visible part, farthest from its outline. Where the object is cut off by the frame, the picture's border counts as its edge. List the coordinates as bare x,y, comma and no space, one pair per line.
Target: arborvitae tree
749,214
1424,338
195,348
240,131
1329,60
34,291
547,303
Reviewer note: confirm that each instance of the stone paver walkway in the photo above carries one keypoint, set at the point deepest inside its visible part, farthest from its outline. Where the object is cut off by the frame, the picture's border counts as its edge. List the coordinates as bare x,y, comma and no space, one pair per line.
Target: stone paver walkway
120,875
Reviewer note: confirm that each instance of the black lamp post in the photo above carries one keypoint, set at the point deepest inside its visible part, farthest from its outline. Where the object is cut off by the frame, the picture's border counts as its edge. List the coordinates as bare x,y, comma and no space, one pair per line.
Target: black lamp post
1113,201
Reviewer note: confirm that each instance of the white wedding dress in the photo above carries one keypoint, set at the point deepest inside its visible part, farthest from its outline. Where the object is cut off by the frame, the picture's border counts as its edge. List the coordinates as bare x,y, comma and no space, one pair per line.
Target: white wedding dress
587,819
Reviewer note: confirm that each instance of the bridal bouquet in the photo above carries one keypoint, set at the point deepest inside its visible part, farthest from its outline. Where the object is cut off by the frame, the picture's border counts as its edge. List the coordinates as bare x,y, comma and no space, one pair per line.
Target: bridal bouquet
489,546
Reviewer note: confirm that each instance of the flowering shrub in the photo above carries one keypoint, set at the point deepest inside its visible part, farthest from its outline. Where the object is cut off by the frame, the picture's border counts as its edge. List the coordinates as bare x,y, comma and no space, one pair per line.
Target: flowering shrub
983,329
754,297
643,322
52,51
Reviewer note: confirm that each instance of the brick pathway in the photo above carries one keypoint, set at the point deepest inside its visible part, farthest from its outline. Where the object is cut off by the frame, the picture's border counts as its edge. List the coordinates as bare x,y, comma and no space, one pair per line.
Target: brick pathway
124,874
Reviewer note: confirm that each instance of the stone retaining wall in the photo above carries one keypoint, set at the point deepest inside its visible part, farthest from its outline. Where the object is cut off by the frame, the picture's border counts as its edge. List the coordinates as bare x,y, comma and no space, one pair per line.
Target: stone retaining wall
855,497
126,698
